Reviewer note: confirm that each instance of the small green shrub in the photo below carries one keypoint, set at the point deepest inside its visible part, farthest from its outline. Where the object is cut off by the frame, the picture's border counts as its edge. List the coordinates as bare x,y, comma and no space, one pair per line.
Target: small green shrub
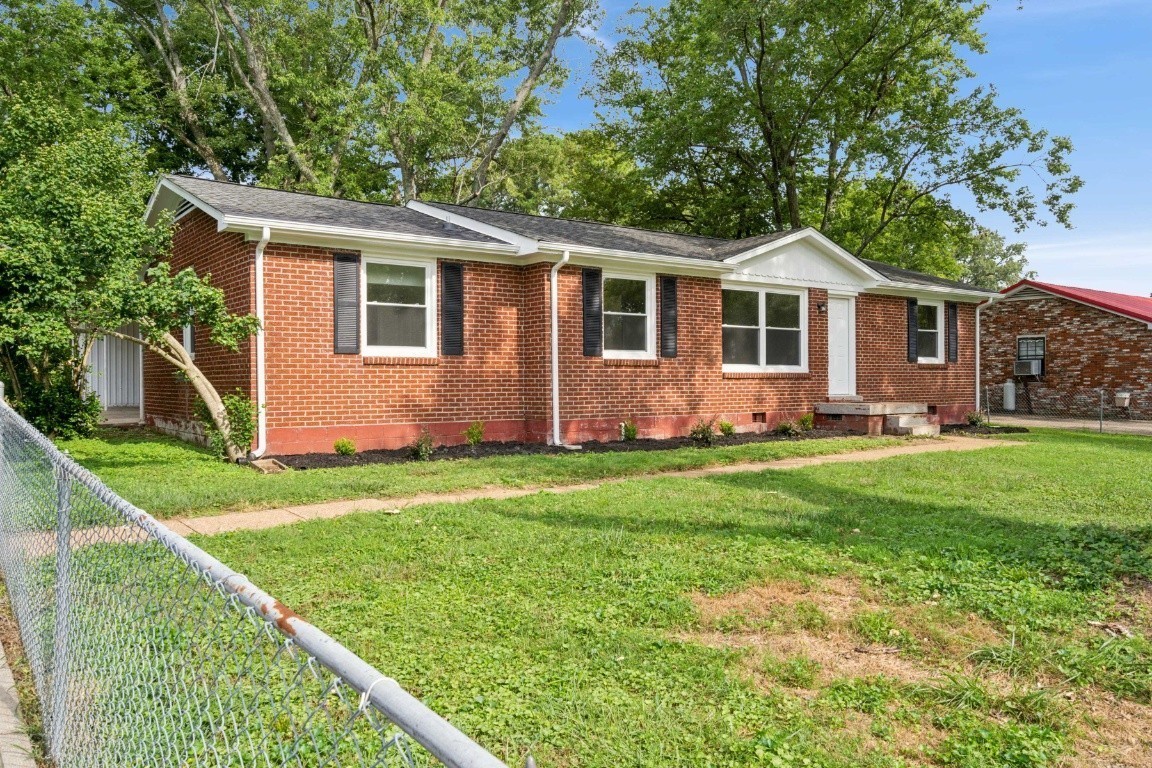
345,446
976,418
787,428
806,422
629,430
57,408
703,433
727,428
475,433
423,447
239,415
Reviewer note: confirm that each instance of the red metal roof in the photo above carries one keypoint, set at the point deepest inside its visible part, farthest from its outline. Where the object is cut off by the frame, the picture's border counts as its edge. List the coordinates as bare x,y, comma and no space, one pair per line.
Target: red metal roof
1138,307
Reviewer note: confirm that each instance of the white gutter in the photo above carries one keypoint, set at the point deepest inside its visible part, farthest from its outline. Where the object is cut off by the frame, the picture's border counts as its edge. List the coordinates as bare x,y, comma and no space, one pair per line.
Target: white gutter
261,383
249,223
979,307
555,301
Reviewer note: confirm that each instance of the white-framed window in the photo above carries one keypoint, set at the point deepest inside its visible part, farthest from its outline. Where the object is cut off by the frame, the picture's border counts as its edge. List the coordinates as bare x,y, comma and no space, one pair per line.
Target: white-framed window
930,332
190,340
399,304
1032,348
629,308
764,329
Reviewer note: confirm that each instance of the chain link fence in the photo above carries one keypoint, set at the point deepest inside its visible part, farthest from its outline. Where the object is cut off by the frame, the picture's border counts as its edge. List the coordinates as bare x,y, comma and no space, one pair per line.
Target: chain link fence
1025,403
147,651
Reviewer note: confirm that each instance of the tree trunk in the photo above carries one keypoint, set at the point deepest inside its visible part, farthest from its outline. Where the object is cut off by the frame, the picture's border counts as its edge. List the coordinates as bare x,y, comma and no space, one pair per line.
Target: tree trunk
173,351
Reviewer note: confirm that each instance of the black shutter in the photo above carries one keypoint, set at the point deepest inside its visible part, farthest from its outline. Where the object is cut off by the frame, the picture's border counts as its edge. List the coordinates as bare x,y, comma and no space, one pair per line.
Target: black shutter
451,308
593,314
913,330
667,317
346,303
951,315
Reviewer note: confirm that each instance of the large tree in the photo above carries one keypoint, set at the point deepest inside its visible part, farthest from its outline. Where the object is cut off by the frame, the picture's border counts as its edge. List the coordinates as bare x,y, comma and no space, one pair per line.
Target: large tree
857,117
78,260
360,98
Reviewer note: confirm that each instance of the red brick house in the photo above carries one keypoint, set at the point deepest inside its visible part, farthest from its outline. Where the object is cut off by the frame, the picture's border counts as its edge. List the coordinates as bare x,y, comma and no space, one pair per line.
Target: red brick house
380,321
1060,345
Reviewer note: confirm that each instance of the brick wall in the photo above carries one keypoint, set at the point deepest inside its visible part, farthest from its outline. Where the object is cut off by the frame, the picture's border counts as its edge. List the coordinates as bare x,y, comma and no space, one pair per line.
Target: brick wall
315,396
1086,348
228,259
884,373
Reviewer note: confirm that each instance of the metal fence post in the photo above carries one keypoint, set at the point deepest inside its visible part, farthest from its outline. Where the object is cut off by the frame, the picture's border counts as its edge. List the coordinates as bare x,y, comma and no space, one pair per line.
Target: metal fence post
1101,410
62,631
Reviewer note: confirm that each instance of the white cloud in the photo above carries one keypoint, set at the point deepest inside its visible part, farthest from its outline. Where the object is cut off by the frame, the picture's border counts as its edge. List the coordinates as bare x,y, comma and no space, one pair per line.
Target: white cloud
1110,262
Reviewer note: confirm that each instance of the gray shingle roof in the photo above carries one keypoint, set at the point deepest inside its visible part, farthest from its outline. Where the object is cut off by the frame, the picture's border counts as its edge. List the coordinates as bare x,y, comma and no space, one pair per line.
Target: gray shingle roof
901,275
592,234
277,205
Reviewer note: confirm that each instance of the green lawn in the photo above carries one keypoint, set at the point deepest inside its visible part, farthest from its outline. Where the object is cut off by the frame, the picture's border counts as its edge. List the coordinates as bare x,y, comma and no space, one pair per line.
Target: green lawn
925,610
168,477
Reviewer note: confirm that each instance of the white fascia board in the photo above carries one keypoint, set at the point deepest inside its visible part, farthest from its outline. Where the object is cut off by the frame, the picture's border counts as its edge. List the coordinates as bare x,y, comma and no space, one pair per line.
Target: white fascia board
524,245
840,289
176,189
639,262
895,288
354,236
821,241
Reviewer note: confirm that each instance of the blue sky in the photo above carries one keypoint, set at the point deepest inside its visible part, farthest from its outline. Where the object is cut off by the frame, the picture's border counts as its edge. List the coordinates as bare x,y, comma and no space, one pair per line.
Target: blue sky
1081,68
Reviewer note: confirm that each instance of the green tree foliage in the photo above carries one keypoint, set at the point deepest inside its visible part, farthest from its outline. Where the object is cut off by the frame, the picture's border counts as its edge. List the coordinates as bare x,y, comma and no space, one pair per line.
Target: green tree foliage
356,98
78,260
853,117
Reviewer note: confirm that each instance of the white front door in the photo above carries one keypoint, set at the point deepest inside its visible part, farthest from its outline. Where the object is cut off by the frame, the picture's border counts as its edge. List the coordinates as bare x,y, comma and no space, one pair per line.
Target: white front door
841,346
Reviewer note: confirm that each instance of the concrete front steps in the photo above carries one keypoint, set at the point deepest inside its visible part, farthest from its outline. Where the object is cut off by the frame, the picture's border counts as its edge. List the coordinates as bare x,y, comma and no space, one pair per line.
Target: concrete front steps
912,419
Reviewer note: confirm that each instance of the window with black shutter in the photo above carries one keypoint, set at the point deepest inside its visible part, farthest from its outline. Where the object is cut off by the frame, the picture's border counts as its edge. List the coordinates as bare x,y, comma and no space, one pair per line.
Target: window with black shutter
593,314
346,303
913,331
951,312
668,317
452,309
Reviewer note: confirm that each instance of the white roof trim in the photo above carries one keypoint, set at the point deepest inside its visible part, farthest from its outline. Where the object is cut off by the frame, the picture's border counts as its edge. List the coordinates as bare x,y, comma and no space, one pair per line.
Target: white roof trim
247,223
524,245
821,241
167,184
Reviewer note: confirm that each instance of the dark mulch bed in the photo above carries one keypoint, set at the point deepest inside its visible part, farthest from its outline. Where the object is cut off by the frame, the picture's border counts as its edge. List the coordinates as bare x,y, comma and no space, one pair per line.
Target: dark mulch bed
455,452
968,429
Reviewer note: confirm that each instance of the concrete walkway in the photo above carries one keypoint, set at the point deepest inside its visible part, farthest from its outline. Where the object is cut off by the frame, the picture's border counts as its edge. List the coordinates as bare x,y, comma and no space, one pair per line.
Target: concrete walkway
1111,426
15,748
272,518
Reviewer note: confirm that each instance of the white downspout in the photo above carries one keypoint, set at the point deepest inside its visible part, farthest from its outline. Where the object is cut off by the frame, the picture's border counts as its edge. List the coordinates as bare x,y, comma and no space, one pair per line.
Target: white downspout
979,308
261,388
556,438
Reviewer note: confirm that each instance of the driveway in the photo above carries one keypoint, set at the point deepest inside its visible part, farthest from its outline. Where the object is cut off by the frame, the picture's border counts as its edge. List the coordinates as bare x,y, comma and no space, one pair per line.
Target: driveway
1115,427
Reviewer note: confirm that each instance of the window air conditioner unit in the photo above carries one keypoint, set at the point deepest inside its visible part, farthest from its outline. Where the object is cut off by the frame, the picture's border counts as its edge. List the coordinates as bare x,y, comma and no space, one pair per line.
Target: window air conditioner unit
1027,368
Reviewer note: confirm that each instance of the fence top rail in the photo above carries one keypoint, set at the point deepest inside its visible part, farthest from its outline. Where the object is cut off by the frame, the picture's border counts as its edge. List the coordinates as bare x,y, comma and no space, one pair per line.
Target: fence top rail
443,740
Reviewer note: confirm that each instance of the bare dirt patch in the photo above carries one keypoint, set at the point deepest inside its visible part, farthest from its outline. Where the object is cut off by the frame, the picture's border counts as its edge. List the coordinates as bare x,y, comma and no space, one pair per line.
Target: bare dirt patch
790,619
1116,733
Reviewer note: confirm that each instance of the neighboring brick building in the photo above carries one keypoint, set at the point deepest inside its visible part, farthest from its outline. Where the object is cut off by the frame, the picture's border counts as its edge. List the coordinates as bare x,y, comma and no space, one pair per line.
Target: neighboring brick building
1082,340
380,321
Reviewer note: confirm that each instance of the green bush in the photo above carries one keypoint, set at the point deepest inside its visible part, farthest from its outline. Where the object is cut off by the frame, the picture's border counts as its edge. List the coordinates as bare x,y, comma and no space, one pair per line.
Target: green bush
475,433
423,447
806,422
628,430
703,433
239,415
345,446
58,409
727,428
787,428
976,418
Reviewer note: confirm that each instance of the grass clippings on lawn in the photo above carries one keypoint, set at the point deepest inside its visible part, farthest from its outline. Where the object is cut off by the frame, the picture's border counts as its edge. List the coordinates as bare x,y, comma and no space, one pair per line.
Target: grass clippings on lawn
927,610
